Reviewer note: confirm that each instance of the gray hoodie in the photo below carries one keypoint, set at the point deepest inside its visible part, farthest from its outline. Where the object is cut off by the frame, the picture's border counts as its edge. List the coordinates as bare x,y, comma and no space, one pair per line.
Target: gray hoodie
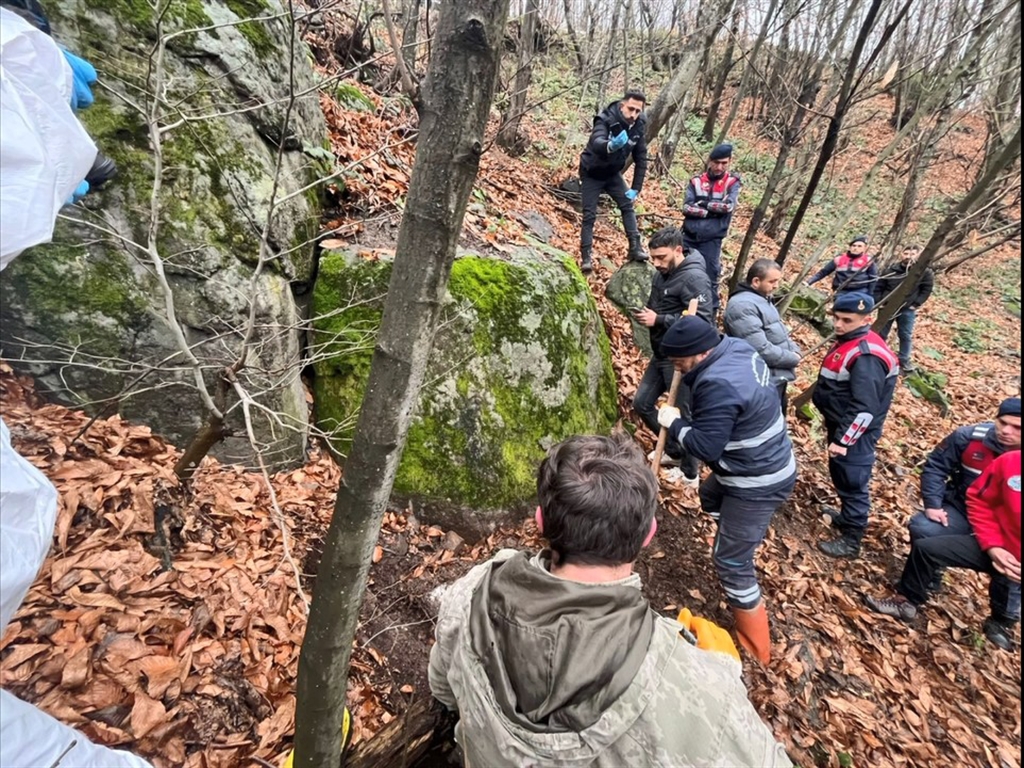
550,672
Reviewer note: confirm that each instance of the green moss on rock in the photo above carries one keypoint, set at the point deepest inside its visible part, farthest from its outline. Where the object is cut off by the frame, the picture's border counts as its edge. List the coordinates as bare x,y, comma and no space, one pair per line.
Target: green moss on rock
520,362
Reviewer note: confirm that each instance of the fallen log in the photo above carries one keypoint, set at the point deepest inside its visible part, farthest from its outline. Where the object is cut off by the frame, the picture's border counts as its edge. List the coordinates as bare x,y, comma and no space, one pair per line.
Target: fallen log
421,737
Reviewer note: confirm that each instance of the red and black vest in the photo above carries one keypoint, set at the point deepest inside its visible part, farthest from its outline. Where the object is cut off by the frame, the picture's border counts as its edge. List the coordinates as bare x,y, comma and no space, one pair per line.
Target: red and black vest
837,362
977,455
706,189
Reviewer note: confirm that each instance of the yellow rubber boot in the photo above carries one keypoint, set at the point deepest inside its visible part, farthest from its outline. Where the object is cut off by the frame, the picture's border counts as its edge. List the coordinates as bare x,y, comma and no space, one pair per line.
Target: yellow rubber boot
752,631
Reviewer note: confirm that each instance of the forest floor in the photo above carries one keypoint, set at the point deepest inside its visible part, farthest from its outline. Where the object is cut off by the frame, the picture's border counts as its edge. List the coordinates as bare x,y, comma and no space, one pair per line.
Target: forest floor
195,664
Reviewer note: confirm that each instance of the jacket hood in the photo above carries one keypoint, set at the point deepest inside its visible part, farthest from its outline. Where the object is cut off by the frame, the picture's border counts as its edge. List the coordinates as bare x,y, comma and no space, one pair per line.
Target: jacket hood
612,114
693,260
557,653
743,288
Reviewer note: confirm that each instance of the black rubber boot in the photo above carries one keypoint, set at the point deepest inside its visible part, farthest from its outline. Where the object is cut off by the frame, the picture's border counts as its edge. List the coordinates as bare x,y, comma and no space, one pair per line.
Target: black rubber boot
586,262
636,249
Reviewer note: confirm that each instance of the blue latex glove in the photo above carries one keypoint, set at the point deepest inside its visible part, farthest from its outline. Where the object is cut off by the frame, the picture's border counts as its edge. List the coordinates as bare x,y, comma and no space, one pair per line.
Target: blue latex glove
618,142
631,194
80,191
84,76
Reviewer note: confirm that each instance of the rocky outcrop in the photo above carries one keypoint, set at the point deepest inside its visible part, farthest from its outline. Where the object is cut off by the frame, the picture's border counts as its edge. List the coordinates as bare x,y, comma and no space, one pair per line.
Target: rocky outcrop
520,361
86,315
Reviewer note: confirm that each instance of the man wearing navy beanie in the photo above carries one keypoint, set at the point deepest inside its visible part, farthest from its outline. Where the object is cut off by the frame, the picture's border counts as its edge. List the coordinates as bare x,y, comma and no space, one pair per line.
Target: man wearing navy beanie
950,470
739,430
853,393
710,202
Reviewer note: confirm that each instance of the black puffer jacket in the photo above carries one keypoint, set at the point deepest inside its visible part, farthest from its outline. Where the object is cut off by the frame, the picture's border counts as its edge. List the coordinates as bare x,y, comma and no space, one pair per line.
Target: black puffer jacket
598,163
671,294
891,279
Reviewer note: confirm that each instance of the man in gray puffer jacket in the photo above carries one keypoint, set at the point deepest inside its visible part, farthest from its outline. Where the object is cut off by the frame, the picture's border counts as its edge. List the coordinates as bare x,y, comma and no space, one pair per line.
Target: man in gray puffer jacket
751,316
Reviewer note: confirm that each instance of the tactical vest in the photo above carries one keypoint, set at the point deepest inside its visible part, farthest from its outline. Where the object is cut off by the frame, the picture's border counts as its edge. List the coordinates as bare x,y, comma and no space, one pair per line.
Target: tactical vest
846,263
977,455
707,189
836,365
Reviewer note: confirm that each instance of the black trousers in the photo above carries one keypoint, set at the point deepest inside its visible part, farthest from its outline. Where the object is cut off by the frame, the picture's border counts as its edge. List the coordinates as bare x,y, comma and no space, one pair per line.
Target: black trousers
711,250
929,556
851,477
590,192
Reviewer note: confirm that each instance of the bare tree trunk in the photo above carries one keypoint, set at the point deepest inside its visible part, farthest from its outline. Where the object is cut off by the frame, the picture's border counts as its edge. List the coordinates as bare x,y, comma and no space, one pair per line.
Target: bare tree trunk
748,68
456,99
581,62
845,101
509,137
608,60
410,32
669,98
708,132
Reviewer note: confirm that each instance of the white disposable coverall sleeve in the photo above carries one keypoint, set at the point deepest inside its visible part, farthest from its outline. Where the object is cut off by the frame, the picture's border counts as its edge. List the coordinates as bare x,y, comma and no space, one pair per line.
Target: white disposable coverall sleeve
44,154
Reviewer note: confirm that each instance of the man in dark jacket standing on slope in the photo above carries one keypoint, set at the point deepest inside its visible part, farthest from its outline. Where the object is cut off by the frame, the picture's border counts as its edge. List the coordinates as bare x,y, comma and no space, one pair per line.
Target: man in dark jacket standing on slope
955,464
751,316
710,202
906,316
681,277
854,391
618,133
738,429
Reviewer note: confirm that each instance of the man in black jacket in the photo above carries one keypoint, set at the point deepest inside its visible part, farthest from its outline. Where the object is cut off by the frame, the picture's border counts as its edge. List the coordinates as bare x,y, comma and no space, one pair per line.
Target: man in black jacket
618,133
681,277
906,316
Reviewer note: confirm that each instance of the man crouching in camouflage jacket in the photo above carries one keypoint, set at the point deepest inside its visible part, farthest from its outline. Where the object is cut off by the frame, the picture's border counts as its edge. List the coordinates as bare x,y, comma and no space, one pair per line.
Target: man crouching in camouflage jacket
558,660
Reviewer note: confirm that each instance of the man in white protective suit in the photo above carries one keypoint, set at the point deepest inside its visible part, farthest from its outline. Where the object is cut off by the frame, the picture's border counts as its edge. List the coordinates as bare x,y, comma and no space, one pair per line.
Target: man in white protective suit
44,155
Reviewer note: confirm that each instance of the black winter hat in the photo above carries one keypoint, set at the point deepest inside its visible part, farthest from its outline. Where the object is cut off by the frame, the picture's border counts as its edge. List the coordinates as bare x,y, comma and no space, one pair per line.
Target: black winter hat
860,239
689,335
721,152
1009,407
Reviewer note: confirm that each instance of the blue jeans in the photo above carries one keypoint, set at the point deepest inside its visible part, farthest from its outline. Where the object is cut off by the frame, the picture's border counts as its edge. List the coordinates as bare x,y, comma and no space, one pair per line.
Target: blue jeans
905,322
657,381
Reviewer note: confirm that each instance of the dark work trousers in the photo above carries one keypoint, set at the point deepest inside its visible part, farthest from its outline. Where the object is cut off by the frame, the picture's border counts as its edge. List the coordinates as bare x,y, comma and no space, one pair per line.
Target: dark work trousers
1005,595
851,477
781,386
742,525
711,250
928,556
590,191
657,381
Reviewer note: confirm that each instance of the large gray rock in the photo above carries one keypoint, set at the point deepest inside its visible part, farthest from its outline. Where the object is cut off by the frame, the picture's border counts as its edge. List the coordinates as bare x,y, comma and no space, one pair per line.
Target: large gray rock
629,288
86,313
520,362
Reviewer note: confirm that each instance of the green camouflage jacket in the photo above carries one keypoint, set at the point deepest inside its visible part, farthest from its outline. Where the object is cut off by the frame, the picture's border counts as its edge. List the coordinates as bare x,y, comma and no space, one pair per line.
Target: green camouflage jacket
549,672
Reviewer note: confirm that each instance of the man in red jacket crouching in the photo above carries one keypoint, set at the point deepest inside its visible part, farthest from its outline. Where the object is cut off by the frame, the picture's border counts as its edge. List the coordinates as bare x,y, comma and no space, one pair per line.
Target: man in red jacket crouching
993,509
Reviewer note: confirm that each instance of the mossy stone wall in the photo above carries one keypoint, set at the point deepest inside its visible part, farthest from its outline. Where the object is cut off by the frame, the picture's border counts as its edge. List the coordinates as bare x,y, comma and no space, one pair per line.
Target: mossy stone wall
520,362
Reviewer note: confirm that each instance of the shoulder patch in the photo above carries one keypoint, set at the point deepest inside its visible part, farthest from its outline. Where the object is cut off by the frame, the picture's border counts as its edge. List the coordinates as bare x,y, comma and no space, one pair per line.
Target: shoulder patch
1014,483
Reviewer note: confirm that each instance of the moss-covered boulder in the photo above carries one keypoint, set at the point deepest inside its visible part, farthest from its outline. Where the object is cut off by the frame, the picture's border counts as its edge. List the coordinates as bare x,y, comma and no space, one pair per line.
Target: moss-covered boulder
520,361
86,314
628,289
812,305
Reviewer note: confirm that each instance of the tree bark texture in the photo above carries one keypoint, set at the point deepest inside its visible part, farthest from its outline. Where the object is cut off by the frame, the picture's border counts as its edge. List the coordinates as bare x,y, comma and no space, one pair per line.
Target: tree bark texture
748,68
723,75
509,137
828,146
456,99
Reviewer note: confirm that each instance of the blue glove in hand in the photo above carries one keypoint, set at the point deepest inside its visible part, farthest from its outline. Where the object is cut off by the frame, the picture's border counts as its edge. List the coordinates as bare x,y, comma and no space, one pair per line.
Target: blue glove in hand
80,191
618,141
631,194
84,76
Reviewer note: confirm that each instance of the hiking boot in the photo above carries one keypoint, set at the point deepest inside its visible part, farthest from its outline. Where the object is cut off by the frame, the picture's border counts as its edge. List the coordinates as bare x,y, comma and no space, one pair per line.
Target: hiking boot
907,368
666,460
636,249
677,476
936,584
832,517
898,607
842,546
586,262
999,632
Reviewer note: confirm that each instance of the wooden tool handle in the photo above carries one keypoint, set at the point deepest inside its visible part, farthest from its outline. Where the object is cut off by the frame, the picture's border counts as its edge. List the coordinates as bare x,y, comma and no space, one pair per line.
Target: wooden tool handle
677,378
